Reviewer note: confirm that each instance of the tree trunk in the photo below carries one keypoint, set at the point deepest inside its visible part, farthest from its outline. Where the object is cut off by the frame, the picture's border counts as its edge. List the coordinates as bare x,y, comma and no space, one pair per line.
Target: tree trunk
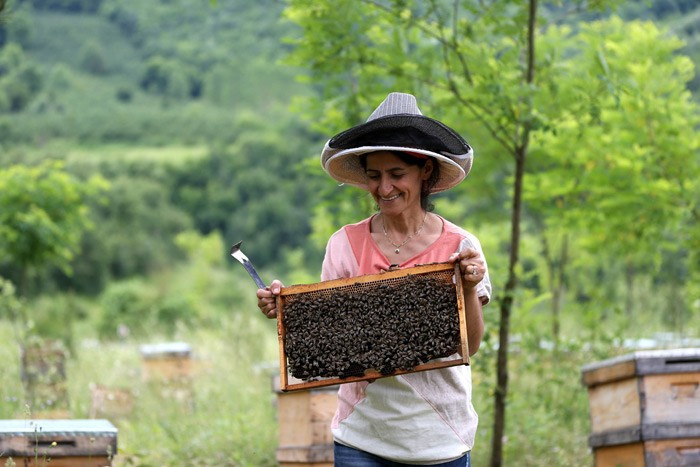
501,392
556,273
558,287
24,281
629,292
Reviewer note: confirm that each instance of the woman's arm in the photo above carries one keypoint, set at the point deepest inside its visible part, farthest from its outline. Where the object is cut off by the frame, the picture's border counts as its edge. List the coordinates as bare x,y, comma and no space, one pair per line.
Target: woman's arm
473,268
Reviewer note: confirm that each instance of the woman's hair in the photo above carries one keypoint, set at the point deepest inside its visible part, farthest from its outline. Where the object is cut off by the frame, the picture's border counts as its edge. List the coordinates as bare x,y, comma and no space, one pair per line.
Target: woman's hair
420,162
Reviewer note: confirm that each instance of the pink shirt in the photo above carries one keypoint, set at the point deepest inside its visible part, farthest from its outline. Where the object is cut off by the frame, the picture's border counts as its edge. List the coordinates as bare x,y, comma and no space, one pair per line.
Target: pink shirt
424,417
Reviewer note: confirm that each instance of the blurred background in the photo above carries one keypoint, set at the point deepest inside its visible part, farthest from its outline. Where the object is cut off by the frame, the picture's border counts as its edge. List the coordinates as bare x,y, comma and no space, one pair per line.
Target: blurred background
140,139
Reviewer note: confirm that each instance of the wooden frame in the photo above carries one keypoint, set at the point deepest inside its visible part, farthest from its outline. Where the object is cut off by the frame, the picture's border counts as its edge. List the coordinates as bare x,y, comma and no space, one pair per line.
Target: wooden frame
289,383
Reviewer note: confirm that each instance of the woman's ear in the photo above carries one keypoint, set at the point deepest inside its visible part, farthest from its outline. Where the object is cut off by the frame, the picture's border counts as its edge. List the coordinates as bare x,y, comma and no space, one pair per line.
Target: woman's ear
427,169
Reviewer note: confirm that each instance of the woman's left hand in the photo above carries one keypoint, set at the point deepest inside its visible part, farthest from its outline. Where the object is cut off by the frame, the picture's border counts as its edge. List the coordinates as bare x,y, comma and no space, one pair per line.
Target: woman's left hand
472,266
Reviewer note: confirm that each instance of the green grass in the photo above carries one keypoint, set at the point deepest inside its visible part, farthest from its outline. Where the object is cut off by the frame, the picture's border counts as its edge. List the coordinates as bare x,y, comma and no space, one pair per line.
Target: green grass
228,419
547,412
228,414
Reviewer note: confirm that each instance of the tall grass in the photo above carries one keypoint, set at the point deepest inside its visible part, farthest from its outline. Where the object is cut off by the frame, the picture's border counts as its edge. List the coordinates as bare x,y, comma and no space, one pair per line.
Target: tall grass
222,415
547,412
226,416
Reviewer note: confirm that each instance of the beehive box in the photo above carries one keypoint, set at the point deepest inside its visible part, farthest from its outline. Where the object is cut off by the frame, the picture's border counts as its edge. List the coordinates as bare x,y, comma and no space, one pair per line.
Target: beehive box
43,373
371,326
166,361
304,419
112,403
58,443
645,409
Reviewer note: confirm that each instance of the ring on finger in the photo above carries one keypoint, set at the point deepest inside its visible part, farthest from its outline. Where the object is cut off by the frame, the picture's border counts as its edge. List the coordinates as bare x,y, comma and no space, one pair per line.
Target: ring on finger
475,271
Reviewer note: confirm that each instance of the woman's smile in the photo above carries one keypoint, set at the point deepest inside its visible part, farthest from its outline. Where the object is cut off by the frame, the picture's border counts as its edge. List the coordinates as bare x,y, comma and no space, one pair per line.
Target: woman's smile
394,184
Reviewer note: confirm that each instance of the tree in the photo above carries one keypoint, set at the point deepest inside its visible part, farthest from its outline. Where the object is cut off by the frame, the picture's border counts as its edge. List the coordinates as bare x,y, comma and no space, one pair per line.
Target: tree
43,214
494,66
20,79
92,58
135,225
236,190
623,163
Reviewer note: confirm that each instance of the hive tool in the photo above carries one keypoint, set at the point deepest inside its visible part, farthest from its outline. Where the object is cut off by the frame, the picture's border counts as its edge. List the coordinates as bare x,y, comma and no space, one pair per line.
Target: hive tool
238,254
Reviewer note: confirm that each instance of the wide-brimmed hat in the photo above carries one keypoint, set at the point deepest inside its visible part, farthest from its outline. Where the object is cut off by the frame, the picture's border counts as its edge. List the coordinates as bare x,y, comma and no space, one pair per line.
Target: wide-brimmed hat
398,125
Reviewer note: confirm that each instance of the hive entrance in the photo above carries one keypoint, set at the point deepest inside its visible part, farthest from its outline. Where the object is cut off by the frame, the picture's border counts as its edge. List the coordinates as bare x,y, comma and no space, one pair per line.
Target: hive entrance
371,326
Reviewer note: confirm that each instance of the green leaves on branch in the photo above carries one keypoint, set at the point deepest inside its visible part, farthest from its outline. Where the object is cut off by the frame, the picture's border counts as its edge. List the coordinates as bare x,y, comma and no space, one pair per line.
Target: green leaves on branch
621,163
20,80
43,214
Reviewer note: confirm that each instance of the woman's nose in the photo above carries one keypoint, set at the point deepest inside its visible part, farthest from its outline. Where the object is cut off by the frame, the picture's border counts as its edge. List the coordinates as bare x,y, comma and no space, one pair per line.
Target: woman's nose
385,186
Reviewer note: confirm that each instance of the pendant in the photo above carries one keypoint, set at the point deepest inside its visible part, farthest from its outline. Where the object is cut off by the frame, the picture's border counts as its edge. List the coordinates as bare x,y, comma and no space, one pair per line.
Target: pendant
396,251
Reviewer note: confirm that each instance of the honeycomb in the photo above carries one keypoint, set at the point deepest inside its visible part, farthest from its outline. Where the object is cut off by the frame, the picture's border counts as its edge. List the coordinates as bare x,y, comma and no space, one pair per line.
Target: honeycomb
386,325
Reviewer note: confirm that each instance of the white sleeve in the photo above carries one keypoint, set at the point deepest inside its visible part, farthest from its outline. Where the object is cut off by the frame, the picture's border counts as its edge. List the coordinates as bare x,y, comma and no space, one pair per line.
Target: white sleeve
339,261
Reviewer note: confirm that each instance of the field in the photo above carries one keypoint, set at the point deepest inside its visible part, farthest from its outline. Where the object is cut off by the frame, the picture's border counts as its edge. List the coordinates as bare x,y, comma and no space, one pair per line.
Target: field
227,414
223,416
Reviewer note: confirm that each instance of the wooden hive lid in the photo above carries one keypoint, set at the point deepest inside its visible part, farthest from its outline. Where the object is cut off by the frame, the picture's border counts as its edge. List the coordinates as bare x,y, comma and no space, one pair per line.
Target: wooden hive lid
644,362
165,349
73,437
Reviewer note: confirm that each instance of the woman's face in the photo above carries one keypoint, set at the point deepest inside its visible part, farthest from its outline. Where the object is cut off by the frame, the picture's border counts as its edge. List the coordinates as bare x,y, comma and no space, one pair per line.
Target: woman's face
394,184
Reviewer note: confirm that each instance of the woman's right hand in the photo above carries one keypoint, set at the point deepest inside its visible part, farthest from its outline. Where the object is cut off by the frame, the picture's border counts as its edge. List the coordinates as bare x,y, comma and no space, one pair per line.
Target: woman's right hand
267,299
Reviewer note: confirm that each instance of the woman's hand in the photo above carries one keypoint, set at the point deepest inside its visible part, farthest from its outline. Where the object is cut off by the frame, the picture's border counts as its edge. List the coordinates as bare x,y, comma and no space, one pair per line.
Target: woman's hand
267,299
472,266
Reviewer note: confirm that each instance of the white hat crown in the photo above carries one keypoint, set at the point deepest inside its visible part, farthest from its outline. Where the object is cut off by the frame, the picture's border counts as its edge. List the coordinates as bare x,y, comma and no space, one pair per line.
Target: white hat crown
396,103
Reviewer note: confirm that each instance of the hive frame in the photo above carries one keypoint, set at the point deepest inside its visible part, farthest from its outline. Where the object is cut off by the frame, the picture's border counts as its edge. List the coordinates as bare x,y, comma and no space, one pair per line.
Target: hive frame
289,383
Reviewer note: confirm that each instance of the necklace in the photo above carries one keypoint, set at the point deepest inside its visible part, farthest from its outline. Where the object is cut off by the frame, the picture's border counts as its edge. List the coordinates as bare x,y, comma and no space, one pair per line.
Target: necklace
398,246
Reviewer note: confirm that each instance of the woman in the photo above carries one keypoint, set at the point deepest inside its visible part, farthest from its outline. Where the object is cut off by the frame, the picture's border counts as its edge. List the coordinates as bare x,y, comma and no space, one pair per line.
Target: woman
400,157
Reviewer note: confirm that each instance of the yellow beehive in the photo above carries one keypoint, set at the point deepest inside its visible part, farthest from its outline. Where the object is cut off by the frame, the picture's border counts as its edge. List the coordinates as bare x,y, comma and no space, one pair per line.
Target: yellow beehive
304,419
645,409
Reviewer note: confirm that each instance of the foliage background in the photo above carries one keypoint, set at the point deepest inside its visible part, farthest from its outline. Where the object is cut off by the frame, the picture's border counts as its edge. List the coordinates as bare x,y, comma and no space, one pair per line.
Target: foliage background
180,127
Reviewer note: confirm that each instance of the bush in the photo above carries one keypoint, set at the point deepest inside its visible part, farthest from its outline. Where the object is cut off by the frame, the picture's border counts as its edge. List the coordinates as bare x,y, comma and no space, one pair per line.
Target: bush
19,30
10,306
175,308
128,308
67,6
53,317
92,59
136,308
20,79
124,94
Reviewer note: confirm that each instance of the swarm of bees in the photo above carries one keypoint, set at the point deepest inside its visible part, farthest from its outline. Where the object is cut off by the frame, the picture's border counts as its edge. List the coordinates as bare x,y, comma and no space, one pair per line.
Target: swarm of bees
381,326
